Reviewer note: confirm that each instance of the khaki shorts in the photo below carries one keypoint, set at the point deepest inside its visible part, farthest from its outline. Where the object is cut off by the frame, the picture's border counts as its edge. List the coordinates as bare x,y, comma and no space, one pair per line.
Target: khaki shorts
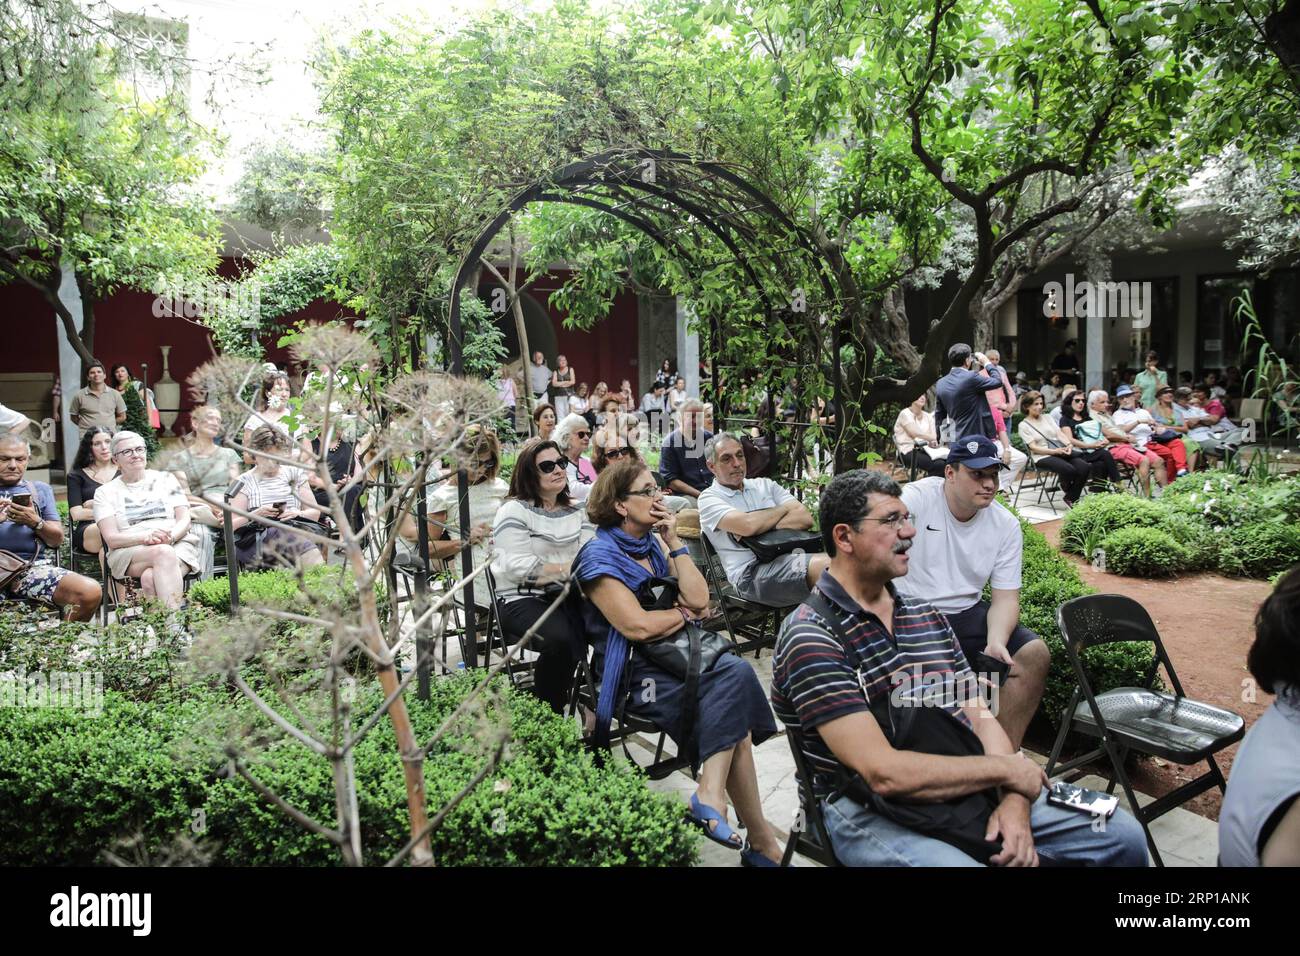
187,549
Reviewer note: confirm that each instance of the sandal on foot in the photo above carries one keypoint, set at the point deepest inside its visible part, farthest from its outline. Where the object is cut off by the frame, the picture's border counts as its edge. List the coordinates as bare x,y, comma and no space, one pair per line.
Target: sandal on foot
751,857
702,815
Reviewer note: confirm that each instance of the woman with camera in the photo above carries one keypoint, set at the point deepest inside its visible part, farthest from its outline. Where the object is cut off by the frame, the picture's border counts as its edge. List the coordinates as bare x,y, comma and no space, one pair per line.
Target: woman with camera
279,492
635,553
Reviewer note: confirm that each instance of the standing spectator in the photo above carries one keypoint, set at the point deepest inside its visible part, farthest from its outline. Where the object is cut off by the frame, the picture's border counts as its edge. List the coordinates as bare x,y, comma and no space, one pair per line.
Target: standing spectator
1052,448
537,534
1149,379
97,404
342,464
539,377
677,395
1051,392
1067,363
272,406
563,381
1260,821
681,460
119,377
92,467
33,530
144,519
506,393
1122,445
995,369
544,420
961,396
573,436
1002,411
1171,452
665,373
916,440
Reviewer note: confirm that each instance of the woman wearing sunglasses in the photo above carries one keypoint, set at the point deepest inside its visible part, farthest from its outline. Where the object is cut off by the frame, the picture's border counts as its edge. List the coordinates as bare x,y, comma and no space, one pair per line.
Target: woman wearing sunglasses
1086,435
537,534
636,550
573,435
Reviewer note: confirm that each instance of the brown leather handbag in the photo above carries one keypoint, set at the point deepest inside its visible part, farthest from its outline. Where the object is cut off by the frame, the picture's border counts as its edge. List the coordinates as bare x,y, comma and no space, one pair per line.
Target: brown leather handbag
12,567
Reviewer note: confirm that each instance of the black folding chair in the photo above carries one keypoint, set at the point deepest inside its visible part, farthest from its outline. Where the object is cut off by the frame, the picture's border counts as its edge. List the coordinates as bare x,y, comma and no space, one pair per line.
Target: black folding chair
119,593
1141,719
808,836
751,624
1044,482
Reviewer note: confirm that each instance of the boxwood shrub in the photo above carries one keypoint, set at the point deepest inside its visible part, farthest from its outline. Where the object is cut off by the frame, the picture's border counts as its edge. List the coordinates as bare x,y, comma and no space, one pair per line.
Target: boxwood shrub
1096,516
281,588
1258,550
75,784
1144,552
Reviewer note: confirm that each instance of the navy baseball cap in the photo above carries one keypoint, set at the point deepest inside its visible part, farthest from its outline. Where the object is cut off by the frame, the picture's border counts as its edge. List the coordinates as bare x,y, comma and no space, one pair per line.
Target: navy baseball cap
975,451
1123,390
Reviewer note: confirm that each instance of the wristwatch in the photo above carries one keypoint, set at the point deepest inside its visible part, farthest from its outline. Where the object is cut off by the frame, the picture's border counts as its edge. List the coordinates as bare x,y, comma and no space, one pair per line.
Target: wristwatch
679,552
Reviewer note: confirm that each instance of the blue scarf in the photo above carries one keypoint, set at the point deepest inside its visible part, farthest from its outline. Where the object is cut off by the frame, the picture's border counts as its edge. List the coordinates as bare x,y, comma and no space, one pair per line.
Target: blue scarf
612,553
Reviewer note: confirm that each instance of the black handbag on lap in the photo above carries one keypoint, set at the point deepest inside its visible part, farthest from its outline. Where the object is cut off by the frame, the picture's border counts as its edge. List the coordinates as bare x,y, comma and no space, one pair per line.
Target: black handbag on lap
772,544
692,649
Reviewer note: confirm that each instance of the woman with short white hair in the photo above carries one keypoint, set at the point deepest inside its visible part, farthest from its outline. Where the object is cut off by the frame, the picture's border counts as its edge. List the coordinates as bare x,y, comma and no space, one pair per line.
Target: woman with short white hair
144,518
573,435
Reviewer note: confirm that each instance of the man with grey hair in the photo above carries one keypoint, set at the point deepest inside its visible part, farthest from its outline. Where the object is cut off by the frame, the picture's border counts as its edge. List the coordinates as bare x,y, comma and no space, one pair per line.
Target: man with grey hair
30,528
681,460
734,505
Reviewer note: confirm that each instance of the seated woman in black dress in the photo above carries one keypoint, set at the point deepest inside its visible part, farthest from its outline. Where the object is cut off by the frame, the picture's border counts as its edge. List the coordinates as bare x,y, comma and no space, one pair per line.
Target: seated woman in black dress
92,467
616,570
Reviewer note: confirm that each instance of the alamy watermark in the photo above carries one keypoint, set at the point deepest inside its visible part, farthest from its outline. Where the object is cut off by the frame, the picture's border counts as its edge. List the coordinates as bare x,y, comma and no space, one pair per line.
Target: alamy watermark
208,300
72,690
916,687
1106,300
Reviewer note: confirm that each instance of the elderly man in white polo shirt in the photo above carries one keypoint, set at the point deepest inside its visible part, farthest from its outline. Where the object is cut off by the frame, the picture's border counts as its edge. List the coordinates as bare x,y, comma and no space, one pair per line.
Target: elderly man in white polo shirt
740,506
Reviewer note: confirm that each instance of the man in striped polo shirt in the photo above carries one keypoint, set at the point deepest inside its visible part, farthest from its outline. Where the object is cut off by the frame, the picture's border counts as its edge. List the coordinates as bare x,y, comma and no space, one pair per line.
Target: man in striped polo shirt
886,646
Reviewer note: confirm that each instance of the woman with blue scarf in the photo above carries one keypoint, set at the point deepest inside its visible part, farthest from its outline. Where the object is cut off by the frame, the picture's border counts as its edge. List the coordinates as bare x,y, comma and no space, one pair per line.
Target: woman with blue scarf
635,544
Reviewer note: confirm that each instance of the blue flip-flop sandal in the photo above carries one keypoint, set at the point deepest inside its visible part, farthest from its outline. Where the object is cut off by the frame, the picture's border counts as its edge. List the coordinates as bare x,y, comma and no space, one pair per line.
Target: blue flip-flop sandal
703,814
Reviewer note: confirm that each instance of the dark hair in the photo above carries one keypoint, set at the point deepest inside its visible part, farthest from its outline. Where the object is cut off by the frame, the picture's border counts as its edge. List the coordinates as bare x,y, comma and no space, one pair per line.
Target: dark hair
958,354
1202,388
1151,357
112,374
85,455
1274,658
1070,344
613,485
525,482
269,438
541,407
95,364
598,459
268,382
845,500
1028,399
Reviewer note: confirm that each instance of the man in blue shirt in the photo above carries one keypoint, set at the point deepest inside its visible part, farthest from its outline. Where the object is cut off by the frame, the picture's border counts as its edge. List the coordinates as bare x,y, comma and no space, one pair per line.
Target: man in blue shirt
681,461
959,396
34,530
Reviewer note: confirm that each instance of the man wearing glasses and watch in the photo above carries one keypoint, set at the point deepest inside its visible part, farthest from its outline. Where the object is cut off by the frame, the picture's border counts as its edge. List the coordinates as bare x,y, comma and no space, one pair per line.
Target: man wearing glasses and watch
965,540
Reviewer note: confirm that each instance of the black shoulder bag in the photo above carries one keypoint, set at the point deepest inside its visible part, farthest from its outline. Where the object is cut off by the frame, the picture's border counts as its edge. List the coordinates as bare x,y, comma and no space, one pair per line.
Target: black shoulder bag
961,821
770,545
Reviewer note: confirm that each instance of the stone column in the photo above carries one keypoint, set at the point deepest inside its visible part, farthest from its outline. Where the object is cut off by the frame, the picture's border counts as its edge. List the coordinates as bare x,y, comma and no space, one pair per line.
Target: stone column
688,347
70,378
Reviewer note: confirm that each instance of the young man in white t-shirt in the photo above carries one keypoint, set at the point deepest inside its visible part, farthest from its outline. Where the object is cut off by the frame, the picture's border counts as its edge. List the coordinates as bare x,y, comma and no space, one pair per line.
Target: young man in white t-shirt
740,506
964,540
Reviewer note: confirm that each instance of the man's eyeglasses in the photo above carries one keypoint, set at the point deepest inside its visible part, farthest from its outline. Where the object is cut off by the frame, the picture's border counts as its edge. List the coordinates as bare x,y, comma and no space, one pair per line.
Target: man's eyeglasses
894,521
651,492
613,454
546,467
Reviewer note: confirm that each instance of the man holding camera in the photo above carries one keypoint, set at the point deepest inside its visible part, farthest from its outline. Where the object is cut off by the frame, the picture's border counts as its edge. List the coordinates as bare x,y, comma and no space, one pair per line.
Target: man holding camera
888,796
965,540
30,527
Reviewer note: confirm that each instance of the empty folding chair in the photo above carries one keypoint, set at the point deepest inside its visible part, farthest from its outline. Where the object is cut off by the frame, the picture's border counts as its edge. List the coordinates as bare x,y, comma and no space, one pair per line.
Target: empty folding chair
1141,719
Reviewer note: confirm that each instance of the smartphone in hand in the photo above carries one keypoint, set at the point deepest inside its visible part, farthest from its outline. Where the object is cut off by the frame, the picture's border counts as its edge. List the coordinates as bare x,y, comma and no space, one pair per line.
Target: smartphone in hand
24,499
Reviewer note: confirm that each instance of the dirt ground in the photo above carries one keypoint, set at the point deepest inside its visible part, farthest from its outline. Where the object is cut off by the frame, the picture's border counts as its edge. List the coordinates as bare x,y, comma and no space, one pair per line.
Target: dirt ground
1207,624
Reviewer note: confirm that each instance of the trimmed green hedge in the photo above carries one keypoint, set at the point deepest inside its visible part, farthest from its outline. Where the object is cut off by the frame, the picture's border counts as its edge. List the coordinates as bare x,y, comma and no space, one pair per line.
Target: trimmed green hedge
1144,552
281,588
1096,516
1048,581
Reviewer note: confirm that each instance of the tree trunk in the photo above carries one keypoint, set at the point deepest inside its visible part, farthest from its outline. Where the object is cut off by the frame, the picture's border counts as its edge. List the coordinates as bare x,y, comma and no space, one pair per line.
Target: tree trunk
981,325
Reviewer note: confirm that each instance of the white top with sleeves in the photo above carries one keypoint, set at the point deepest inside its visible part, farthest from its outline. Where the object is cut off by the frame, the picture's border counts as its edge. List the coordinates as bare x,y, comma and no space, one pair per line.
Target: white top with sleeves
525,537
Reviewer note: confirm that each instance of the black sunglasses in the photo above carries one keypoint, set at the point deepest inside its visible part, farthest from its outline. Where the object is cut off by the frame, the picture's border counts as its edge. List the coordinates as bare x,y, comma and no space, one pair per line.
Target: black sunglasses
583,434
546,467
613,453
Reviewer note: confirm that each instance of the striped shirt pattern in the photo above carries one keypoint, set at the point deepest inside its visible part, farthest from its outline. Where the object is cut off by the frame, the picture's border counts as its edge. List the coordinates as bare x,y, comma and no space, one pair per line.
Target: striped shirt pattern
813,681
525,537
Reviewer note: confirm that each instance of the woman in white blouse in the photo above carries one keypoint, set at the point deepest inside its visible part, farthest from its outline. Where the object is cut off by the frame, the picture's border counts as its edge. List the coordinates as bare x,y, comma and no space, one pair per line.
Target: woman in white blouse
537,534
914,432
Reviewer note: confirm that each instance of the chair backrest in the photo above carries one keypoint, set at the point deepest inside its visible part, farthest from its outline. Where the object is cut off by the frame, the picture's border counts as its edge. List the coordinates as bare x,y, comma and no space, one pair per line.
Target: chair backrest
812,839
1252,408
1097,619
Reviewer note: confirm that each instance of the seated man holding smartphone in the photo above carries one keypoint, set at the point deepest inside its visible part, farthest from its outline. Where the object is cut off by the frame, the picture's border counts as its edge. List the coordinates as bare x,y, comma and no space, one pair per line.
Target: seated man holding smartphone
30,529
965,540
858,647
